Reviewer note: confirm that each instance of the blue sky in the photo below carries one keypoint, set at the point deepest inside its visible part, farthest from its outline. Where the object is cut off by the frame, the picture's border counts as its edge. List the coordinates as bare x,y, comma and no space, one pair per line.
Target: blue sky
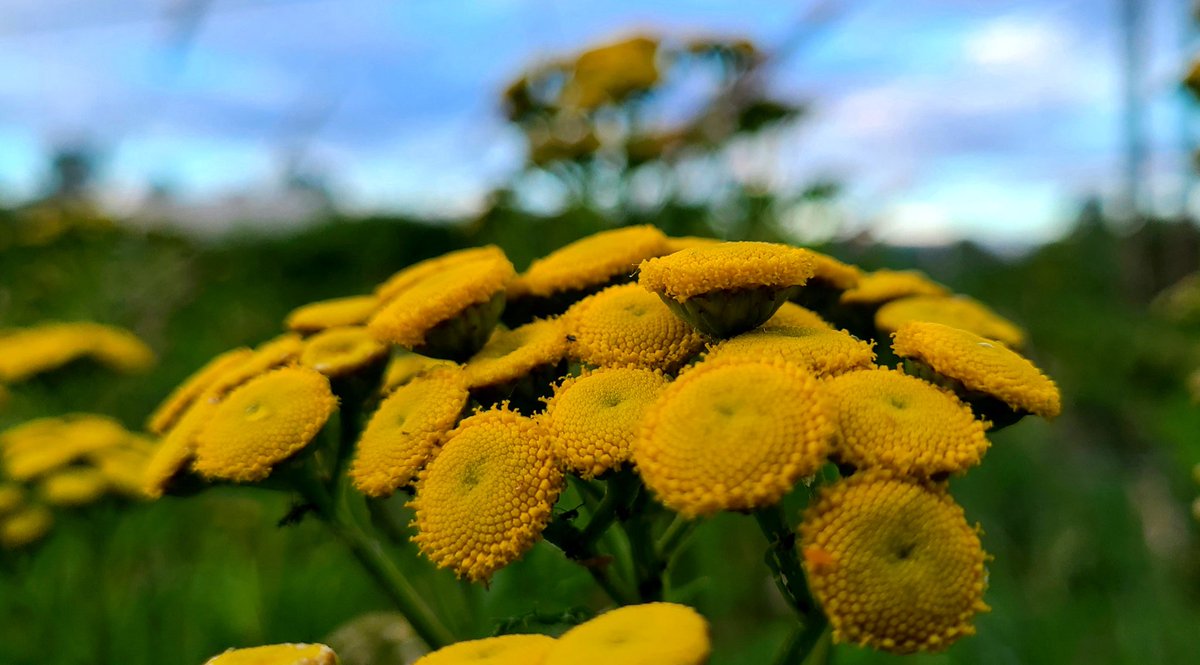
945,118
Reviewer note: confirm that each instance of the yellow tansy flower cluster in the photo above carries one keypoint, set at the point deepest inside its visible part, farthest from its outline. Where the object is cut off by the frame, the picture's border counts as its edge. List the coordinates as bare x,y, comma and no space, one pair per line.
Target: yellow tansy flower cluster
26,352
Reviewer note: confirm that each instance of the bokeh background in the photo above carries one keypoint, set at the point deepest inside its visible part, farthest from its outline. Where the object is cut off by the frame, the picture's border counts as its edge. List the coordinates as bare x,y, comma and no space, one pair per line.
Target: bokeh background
194,169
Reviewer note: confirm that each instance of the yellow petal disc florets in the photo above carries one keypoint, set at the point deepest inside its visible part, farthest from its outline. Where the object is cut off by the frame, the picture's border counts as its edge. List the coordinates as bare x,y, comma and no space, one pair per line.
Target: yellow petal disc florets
593,260
884,285
334,313
340,351
503,650
733,435
275,352
182,397
980,365
400,281
893,563
824,351
262,423
791,315
511,354
958,312
892,420
439,297
484,500
724,267
593,418
406,366
278,654
405,431
624,326
649,634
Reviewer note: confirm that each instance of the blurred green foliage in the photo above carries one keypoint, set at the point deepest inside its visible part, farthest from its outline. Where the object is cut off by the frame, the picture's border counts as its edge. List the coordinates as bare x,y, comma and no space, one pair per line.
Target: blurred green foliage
1096,559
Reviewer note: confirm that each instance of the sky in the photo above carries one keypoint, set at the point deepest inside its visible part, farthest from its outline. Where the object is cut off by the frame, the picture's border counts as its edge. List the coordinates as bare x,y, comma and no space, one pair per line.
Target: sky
944,119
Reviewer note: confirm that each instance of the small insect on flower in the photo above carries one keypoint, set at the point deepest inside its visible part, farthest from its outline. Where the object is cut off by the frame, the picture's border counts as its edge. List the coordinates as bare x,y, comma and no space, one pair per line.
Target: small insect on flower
502,650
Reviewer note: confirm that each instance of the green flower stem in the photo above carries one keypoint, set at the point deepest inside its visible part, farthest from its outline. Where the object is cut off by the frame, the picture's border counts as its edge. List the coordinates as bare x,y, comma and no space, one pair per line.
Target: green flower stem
784,562
566,537
670,540
803,642
619,492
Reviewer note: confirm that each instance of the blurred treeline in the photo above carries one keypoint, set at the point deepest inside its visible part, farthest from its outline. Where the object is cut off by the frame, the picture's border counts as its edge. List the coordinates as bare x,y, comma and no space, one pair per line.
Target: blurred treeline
1096,559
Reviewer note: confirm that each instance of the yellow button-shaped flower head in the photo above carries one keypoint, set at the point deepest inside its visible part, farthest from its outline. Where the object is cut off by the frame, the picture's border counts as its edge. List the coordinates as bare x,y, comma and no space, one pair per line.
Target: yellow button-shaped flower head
182,397
25,527
278,654
449,313
333,313
728,288
593,261
957,311
42,450
791,315
170,459
484,500
884,285
405,431
73,487
406,366
824,351
593,418
263,423
675,244
733,435
124,468
118,348
649,634
893,563
626,326
980,365
341,351
830,279
512,354
399,282
895,421
503,650
276,352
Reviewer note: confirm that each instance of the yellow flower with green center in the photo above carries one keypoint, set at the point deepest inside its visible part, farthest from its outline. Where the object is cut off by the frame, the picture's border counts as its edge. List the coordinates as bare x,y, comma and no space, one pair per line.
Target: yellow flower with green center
177,449
876,288
406,366
274,353
502,650
592,261
25,527
892,420
405,430
12,497
733,435
399,282
955,311
467,294
823,351
341,351
791,315
59,442
277,654
332,313
893,563
649,634
73,487
980,365
186,393
626,326
593,418
263,423
485,498
512,354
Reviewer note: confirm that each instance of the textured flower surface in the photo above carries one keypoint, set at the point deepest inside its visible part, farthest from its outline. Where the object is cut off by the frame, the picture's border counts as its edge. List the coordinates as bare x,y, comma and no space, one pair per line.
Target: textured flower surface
263,423
333,313
649,634
484,500
824,351
724,267
341,351
511,354
791,315
278,654
399,282
182,397
889,419
957,311
593,418
271,354
677,243
406,366
894,563
177,449
980,365
440,296
593,260
733,435
502,650
626,326
405,431
884,285
834,273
